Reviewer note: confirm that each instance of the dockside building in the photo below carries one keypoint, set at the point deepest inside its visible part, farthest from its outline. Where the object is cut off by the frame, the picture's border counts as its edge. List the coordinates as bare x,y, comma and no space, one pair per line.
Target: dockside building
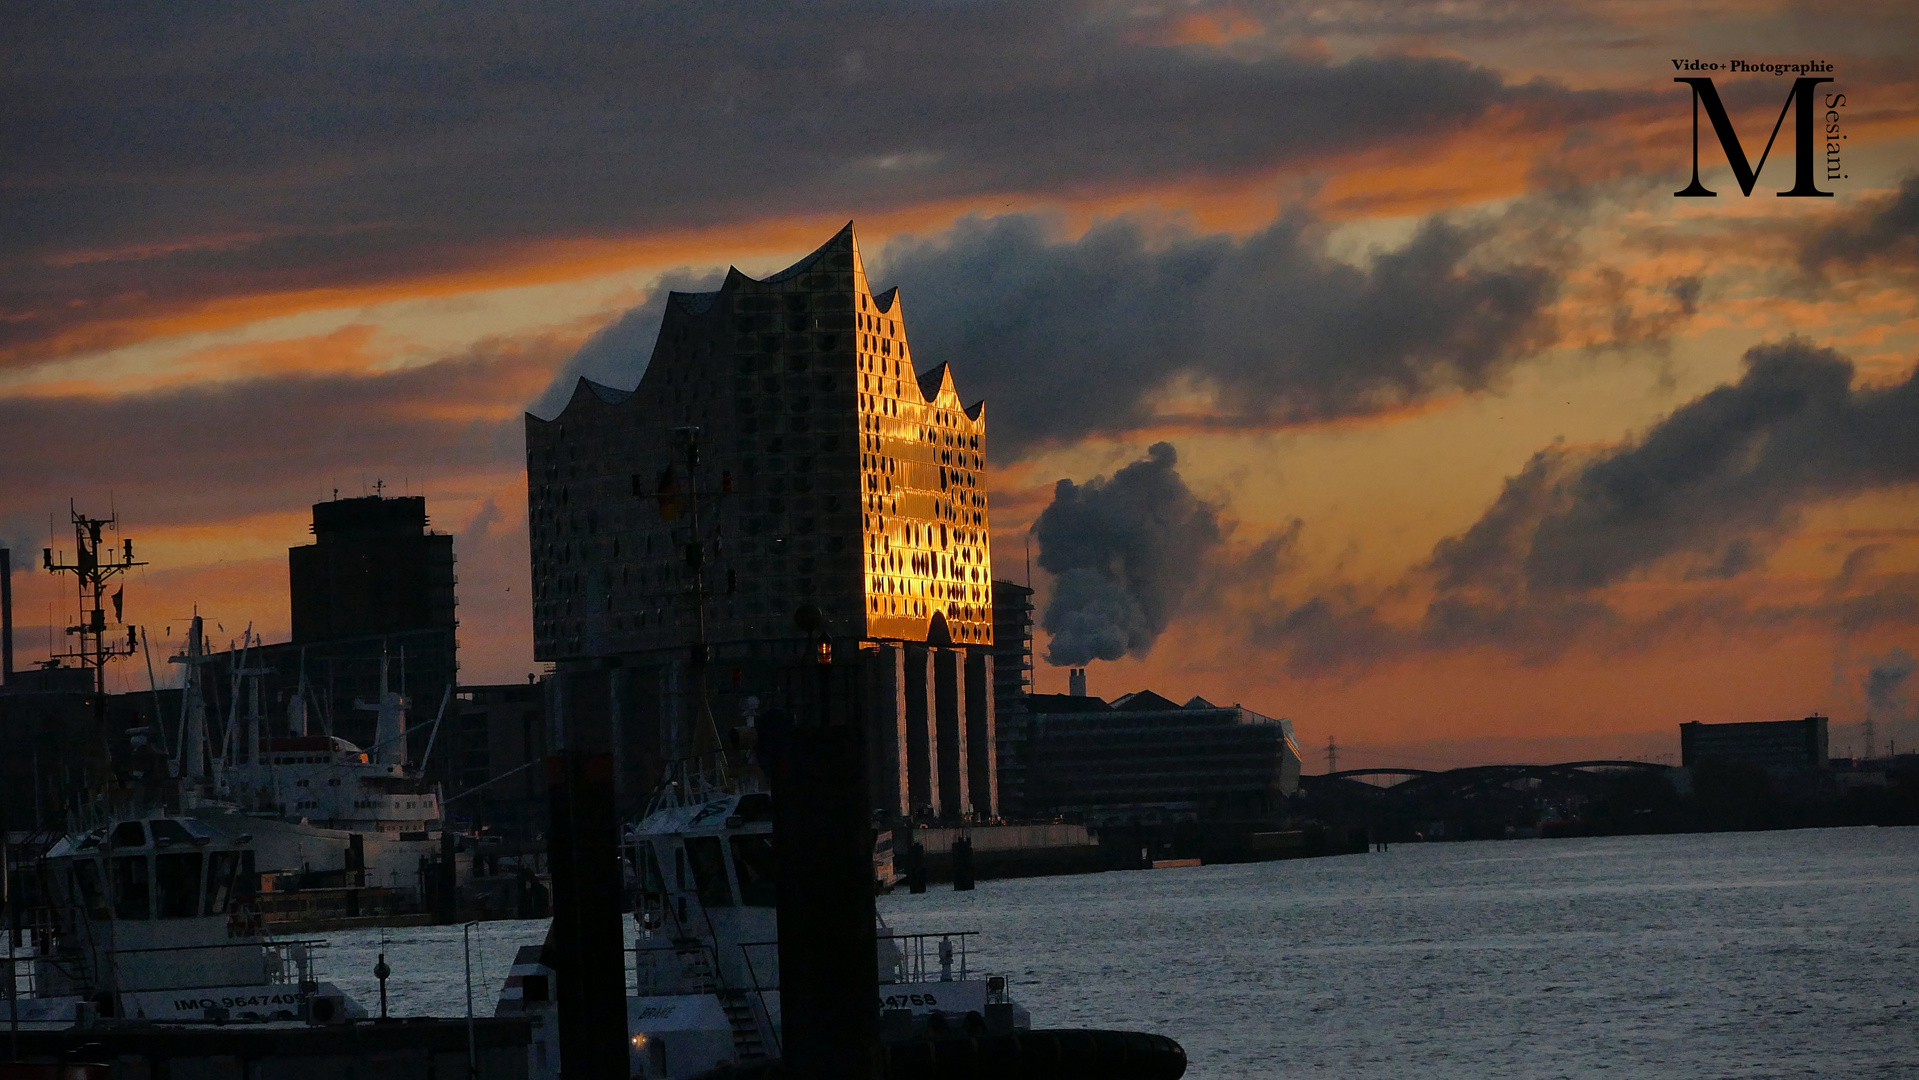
1145,759
783,471
1778,746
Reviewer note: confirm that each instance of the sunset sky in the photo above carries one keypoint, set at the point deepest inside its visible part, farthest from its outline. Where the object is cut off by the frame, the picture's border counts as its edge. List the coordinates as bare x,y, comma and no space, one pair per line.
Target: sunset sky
1397,393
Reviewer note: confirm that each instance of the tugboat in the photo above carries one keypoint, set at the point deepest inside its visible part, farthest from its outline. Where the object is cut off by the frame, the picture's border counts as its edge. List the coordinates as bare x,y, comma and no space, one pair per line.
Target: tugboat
148,917
705,962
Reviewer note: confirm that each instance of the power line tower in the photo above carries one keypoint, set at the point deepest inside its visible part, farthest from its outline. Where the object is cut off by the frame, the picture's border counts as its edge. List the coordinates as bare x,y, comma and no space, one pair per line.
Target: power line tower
1332,756
93,572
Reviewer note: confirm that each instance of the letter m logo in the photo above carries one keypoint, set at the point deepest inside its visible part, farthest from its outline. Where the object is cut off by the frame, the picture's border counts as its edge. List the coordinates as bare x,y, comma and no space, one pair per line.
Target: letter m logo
1799,102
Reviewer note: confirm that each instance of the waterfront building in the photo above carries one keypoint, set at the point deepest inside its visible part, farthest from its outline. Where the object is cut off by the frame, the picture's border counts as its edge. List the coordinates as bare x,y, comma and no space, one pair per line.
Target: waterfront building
373,595
780,474
1779,746
1143,758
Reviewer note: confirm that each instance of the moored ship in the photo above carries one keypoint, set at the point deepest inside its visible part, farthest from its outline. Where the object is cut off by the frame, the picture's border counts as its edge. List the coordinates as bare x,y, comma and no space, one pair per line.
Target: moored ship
704,977
310,801
149,917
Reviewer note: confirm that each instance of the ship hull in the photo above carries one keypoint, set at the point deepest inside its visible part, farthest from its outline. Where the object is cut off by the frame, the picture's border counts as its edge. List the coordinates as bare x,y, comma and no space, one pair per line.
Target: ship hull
391,861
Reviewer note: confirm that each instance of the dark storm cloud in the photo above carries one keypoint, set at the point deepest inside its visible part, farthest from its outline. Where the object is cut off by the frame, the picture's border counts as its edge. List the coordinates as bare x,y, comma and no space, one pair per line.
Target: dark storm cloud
1283,331
1885,683
219,451
1729,469
1882,231
1857,565
1716,482
1484,554
1708,491
153,155
1124,553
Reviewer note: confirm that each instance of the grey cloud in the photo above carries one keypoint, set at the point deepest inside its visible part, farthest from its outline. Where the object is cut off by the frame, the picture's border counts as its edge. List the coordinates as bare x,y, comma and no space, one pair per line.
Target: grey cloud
1484,554
1883,231
1858,564
1633,328
1725,474
1885,683
214,452
1284,331
1338,631
1125,553
1712,488
156,154
1704,494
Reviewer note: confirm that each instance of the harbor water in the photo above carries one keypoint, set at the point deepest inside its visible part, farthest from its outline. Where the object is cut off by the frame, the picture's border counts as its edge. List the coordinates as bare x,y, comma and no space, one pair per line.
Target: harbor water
1720,955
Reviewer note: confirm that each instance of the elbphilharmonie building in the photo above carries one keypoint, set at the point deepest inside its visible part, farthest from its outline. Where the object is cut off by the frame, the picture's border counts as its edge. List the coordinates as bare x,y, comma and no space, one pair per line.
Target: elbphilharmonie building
783,474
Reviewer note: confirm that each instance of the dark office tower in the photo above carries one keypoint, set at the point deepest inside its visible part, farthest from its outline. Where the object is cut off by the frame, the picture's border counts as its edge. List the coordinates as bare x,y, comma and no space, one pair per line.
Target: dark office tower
1012,683
375,583
781,455
373,568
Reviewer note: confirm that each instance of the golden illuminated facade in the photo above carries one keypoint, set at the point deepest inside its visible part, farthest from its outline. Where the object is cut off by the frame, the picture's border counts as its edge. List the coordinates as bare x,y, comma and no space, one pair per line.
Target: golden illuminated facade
829,475
925,504
780,460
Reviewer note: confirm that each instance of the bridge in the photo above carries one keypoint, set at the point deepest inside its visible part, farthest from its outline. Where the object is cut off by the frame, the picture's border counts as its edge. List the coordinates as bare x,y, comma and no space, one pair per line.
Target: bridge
1427,788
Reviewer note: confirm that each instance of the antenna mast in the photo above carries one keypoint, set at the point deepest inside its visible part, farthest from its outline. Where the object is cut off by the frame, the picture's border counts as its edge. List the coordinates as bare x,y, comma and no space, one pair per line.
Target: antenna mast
92,571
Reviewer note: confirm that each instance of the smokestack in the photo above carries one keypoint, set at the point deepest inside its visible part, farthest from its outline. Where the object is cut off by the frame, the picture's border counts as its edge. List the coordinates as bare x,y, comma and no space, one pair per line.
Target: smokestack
1076,682
6,617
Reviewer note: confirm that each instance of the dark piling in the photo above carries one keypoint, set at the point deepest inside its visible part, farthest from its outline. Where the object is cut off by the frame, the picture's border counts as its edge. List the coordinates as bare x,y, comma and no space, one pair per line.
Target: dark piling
829,979
586,948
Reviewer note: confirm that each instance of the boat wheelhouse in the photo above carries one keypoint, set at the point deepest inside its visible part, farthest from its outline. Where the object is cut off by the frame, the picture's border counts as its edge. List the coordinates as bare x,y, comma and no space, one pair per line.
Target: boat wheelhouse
150,917
704,967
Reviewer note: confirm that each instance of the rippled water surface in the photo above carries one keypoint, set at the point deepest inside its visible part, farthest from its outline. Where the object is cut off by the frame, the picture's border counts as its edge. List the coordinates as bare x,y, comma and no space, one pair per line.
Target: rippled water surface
1727,955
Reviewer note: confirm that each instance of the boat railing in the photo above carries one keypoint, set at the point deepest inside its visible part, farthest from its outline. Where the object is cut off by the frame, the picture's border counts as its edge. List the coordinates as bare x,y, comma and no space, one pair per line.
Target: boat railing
940,957
691,964
937,957
691,781
290,961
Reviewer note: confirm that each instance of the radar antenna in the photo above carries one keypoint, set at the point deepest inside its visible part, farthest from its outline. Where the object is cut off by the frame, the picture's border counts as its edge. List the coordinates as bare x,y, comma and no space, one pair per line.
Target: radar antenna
93,571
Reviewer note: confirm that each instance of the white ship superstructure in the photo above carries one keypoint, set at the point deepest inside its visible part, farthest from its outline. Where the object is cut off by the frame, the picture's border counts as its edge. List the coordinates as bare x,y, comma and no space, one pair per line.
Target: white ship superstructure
146,918
304,796
705,969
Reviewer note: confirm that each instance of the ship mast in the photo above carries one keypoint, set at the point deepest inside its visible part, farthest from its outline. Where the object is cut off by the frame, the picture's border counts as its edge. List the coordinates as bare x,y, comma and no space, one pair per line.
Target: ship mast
193,708
93,572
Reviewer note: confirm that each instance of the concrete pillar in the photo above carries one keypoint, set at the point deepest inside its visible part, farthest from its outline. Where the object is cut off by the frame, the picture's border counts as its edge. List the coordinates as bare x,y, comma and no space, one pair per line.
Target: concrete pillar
982,736
923,775
886,738
619,699
949,703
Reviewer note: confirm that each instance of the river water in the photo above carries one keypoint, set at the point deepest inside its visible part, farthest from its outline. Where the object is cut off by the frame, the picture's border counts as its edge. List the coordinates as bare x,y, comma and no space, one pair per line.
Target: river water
1720,955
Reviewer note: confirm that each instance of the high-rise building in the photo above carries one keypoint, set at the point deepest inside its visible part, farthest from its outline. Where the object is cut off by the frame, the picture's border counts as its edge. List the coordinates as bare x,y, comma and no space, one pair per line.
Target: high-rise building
374,567
374,591
781,472
1012,683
